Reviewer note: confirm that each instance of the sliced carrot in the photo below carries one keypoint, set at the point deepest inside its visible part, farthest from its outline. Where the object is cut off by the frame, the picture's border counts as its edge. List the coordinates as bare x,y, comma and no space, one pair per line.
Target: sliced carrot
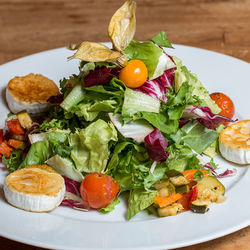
15,143
189,174
165,201
5,149
15,127
1,136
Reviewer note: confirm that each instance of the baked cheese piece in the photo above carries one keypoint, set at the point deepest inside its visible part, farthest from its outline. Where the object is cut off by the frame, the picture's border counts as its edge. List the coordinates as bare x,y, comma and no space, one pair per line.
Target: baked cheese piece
234,142
30,93
36,188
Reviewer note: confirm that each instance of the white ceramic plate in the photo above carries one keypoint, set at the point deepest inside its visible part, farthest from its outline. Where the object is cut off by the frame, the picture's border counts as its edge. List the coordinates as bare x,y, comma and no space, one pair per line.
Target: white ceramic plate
65,228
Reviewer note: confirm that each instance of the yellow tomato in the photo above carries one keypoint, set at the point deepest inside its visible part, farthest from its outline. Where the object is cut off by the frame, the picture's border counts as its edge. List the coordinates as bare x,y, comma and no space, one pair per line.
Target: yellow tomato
134,74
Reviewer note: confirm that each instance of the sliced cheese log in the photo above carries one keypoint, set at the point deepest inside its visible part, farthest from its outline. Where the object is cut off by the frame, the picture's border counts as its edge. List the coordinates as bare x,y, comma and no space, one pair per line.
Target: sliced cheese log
36,188
234,142
30,93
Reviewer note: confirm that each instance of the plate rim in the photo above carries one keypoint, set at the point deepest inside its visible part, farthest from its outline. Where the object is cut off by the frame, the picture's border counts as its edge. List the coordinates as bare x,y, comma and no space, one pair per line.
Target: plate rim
211,237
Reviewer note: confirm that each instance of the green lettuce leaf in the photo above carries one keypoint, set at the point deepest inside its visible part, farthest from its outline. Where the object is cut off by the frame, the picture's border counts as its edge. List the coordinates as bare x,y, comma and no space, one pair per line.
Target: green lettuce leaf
13,161
110,207
196,136
65,166
73,98
147,52
162,40
38,154
138,201
181,158
90,111
135,101
182,75
90,151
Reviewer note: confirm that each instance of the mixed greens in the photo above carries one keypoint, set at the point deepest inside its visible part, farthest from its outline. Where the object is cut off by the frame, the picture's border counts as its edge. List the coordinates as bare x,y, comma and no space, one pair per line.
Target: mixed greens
135,135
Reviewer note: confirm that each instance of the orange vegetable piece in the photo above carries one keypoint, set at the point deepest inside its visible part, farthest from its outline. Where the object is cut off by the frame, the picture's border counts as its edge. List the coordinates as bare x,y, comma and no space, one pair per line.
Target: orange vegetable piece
5,149
15,127
15,143
165,201
189,174
134,74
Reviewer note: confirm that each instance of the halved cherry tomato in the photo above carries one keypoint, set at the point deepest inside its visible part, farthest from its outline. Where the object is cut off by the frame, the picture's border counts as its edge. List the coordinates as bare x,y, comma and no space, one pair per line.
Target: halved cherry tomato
15,127
134,74
98,190
225,104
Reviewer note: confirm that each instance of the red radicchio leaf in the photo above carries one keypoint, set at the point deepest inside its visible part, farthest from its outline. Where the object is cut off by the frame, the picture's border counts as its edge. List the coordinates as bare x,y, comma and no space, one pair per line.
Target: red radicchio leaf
56,100
226,173
158,87
100,76
205,116
182,123
155,144
72,197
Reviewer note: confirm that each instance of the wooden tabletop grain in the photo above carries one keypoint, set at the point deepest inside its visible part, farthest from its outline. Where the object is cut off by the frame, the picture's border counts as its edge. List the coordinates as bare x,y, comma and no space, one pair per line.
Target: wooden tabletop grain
29,26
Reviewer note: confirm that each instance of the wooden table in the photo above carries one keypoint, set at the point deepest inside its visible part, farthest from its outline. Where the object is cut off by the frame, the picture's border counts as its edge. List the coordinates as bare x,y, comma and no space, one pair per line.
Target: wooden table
28,26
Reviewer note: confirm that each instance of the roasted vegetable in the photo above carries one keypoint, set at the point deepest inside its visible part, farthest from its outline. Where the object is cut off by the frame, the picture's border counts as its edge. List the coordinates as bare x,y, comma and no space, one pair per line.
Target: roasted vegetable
199,206
170,210
24,119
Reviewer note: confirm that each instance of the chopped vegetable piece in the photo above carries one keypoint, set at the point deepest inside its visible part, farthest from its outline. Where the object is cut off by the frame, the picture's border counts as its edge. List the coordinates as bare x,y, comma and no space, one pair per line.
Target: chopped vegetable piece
199,206
15,127
15,143
24,119
5,149
188,197
165,201
189,174
170,210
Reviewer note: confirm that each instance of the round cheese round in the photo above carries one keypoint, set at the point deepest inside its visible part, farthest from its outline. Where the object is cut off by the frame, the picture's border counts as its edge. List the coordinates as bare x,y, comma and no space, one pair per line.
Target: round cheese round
36,188
234,142
30,93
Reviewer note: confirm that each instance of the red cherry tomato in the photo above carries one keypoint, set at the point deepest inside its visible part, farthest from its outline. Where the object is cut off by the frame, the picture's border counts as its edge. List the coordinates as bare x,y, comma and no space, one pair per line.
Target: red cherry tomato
98,190
134,74
225,104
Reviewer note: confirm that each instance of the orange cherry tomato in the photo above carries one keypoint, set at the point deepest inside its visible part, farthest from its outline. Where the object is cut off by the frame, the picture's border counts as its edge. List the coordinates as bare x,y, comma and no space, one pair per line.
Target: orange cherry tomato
225,104
98,190
134,74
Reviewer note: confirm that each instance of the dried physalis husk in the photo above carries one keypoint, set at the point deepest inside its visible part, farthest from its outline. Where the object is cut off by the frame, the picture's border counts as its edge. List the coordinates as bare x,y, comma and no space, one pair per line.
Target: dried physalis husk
95,52
121,28
73,46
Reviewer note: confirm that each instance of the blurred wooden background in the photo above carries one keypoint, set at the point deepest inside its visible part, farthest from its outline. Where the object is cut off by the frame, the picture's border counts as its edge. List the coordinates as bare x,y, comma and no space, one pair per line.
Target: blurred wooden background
30,26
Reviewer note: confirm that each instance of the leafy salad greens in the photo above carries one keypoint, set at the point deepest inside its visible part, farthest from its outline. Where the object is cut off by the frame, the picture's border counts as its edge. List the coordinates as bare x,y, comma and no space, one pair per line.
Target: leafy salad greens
98,124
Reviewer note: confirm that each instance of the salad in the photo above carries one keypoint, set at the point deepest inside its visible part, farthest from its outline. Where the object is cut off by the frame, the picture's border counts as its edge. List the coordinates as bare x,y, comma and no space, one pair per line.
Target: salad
134,120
